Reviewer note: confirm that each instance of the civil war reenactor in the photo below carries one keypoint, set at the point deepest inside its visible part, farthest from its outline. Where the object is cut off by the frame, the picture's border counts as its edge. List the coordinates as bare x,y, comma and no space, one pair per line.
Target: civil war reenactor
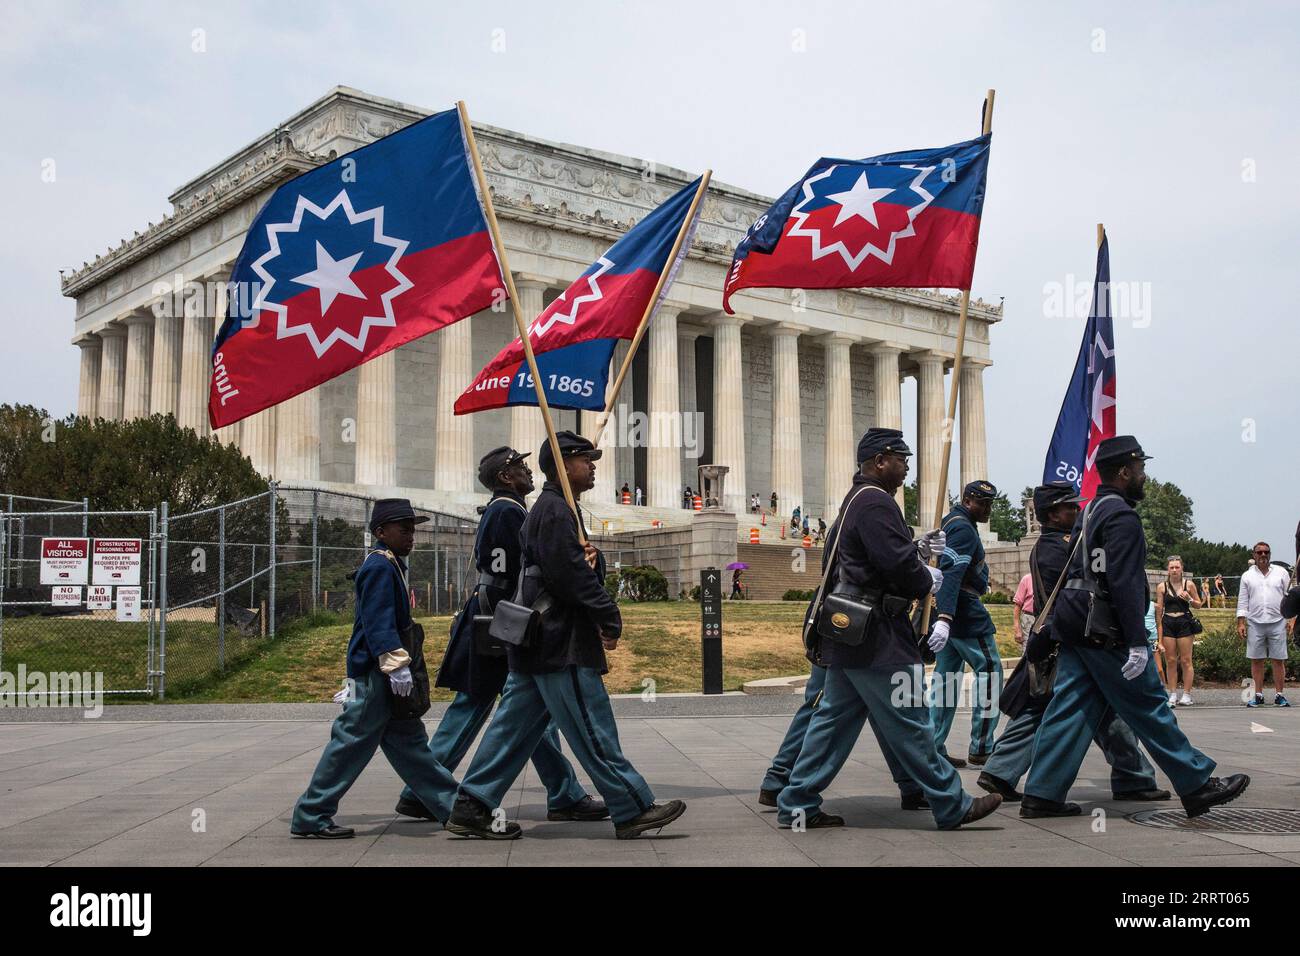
379,669
1131,777
557,673
1104,660
864,639
475,668
777,777
963,632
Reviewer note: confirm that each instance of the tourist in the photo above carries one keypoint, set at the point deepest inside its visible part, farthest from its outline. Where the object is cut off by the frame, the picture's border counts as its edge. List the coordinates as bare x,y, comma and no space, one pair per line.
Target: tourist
1177,626
1261,625
1022,618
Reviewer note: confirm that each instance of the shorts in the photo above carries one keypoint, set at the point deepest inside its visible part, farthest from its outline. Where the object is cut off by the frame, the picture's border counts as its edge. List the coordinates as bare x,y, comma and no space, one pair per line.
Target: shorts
1184,625
1266,641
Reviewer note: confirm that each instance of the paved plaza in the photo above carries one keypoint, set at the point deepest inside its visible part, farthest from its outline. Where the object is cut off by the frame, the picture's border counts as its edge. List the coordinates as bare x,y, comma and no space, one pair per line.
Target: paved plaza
133,787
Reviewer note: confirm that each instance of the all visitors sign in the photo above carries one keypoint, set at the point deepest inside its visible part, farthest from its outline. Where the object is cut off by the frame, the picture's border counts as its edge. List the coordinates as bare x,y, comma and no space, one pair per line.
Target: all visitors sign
64,560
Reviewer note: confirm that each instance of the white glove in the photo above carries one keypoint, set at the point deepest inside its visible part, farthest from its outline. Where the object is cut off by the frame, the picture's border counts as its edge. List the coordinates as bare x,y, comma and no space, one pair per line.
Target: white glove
343,696
931,543
1136,663
401,681
936,579
939,636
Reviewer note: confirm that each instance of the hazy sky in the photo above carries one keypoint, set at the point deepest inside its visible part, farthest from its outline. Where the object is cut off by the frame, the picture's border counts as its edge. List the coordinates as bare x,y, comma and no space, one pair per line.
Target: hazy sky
1173,123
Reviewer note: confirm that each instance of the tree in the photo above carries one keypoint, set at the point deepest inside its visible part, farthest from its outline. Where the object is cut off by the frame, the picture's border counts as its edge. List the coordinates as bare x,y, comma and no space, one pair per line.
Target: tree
1166,515
119,465
910,511
1007,521
1201,557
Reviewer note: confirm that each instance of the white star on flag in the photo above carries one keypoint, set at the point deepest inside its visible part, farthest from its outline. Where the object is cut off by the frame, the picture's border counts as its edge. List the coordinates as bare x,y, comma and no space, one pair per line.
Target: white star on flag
331,277
859,201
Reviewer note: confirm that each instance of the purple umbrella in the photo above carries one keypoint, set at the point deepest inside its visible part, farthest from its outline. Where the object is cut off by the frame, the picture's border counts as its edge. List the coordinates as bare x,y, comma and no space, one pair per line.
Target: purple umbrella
738,565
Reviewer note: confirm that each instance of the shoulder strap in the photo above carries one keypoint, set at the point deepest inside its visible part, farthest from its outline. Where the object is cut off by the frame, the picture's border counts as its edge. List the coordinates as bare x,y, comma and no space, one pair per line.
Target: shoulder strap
828,560
392,559
1043,611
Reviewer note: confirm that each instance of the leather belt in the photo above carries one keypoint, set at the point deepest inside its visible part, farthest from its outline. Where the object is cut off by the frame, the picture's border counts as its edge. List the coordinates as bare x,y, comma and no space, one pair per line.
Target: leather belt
890,604
498,581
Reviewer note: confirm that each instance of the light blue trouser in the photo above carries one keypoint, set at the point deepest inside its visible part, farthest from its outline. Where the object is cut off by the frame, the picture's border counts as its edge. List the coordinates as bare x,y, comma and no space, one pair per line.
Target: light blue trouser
981,653
1129,769
899,719
1087,680
460,724
365,725
576,699
778,775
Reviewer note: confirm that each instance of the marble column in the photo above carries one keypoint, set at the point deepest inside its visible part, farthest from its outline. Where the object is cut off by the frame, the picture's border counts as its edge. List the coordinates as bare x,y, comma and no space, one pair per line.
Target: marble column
729,409
527,430
376,462
889,394
606,466
787,430
841,443
196,368
92,351
112,373
664,456
454,468
257,440
930,425
690,406
165,376
974,448
139,364
297,439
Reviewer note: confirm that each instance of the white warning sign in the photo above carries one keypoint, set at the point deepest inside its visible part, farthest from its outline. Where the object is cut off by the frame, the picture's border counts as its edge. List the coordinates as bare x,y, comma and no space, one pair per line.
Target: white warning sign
64,560
128,604
63,595
99,597
116,561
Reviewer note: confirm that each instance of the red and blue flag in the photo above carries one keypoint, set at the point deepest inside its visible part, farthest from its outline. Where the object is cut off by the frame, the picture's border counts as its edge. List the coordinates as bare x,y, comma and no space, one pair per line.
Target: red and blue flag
901,220
351,260
1087,415
573,339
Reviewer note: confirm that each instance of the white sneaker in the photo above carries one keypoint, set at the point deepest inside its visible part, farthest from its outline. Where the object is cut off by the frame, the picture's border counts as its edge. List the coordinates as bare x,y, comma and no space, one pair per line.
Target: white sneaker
1185,700
1173,698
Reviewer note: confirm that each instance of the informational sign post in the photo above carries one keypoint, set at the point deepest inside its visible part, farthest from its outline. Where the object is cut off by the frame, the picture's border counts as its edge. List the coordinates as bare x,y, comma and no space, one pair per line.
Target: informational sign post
99,597
116,561
711,629
128,604
64,595
64,560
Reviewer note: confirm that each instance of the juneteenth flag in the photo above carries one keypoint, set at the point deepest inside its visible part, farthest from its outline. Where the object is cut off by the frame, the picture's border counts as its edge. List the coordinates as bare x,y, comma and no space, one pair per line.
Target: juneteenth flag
574,337
1087,415
901,220
351,260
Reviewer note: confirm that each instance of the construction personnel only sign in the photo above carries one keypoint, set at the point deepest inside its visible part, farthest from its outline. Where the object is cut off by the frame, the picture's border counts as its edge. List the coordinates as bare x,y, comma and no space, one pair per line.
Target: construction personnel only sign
64,560
116,561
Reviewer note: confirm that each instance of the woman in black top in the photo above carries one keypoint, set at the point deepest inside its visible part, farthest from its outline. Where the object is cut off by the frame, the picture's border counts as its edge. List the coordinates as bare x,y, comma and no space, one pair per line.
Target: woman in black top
1176,625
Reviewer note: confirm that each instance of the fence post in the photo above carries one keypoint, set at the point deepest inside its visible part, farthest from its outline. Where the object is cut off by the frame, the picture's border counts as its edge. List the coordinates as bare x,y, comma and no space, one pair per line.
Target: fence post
221,587
315,548
85,517
22,543
162,621
4,575
271,597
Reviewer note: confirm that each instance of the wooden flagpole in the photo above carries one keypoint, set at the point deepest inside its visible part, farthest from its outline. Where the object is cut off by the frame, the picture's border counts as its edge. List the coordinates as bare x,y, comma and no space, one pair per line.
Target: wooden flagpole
520,324
654,300
941,498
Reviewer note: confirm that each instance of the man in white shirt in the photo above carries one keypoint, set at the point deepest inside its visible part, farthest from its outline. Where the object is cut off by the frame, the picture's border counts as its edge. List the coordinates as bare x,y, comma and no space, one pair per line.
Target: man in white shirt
1261,625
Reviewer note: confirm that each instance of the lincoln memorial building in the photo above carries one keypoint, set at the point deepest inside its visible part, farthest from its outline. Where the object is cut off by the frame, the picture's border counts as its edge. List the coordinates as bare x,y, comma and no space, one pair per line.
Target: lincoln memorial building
781,391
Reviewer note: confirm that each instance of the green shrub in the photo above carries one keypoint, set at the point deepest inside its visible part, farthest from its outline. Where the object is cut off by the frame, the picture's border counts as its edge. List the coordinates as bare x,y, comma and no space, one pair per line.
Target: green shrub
995,597
644,583
1221,656
794,594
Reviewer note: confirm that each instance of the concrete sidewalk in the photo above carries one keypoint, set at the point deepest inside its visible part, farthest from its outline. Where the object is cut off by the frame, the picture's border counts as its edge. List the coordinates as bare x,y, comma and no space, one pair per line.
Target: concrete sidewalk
113,792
